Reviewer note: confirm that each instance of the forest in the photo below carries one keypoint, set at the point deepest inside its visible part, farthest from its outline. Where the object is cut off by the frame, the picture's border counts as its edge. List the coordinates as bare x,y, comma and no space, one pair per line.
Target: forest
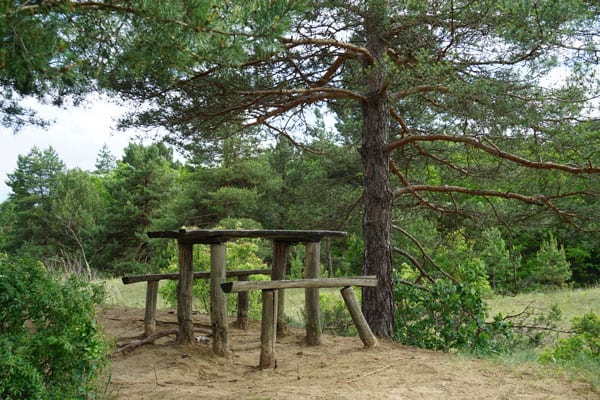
456,142
94,223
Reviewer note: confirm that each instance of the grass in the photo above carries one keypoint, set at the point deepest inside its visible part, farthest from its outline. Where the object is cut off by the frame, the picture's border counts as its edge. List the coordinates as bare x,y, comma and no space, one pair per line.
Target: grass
132,295
572,303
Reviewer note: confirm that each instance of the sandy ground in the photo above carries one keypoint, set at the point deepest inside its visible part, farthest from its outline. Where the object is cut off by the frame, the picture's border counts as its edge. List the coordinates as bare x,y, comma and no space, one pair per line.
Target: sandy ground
339,369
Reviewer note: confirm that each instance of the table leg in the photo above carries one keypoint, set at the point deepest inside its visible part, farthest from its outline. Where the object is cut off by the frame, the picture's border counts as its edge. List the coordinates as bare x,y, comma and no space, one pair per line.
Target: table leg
185,295
218,299
311,296
280,257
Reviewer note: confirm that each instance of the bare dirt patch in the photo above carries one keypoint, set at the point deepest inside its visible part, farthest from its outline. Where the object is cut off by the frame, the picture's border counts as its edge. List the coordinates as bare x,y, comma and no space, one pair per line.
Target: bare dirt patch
339,369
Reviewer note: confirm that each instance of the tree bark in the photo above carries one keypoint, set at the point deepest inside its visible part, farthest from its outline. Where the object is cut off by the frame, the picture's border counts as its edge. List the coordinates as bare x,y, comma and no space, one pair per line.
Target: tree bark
378,305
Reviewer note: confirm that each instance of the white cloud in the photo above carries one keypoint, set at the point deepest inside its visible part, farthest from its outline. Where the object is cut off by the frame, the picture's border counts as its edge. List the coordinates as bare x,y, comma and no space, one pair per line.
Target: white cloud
77,135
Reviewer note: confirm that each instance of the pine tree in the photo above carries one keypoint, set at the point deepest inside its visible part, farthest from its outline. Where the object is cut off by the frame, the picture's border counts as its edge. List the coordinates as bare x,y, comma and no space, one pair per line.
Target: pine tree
550,265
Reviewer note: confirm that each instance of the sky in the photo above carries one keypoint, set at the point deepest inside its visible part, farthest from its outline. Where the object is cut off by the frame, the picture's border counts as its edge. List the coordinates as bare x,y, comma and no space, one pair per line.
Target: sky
77,135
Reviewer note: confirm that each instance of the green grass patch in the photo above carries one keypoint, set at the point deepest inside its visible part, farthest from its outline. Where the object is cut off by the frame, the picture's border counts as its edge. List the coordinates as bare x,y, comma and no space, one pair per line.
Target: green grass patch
572,303
132,295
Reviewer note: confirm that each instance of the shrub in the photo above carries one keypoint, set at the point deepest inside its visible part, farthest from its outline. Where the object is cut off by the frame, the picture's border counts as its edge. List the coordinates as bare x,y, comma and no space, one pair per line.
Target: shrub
50,345
335,317
582,345
447,316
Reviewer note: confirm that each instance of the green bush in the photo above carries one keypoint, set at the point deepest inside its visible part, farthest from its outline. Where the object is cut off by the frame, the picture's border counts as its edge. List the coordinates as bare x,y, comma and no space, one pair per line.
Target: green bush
335,317
583,345
50,345
448,316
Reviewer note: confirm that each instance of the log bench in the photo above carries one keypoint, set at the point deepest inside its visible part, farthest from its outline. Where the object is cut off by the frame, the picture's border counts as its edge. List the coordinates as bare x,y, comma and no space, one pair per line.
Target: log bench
152,281
270,308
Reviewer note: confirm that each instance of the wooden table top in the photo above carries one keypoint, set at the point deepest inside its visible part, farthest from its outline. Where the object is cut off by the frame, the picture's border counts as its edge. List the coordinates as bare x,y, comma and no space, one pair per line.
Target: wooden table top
215,236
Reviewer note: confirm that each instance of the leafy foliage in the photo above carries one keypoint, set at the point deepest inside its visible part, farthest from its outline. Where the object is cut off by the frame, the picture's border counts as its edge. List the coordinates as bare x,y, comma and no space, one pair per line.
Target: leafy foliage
446,316
335,317
50,344
584,343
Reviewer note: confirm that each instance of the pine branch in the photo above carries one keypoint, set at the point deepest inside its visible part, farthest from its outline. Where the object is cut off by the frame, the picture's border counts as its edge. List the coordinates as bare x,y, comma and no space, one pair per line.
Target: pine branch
495,151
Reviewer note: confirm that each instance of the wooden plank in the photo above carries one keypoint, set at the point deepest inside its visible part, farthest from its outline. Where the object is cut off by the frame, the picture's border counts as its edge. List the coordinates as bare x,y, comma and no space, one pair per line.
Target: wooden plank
234,287
185,295
364,331
268,331
150,310
218,300
311,296
197,275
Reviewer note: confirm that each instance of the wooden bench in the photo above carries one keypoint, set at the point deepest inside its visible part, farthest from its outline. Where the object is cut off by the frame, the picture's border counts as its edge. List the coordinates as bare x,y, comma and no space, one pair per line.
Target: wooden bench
152,293
270,308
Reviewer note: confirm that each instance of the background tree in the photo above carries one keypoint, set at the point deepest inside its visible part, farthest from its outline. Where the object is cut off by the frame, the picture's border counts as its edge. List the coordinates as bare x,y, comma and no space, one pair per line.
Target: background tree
138,190
77,213
33,186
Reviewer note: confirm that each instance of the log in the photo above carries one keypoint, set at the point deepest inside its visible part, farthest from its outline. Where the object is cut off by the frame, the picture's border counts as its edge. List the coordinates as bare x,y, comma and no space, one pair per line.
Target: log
235,287
364,331
197,275
150,311
218,300
311,296
280,257
268,332
184,294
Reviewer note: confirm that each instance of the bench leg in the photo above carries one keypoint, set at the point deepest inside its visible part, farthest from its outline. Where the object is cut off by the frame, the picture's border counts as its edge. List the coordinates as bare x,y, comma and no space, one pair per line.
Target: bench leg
364,331
268,332
150,311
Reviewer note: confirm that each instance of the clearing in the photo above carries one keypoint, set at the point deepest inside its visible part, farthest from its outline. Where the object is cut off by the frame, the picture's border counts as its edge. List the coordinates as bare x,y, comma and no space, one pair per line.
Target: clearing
339,369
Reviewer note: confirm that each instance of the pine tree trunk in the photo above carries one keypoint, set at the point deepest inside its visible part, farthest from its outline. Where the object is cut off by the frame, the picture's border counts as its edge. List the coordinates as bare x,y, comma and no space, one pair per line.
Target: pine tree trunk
378,305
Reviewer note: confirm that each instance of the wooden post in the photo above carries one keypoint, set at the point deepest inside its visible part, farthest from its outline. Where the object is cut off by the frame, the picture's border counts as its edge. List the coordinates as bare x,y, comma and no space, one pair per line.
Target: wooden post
185,333
242,306
150,311
218,300
311,296
268,332
364,331
280,257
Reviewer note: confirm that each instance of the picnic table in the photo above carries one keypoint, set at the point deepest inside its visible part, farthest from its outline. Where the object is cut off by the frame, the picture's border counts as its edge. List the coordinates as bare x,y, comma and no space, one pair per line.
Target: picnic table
217,239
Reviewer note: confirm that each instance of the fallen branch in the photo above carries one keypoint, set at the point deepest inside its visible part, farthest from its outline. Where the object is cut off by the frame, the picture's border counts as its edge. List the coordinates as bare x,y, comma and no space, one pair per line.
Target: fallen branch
152,338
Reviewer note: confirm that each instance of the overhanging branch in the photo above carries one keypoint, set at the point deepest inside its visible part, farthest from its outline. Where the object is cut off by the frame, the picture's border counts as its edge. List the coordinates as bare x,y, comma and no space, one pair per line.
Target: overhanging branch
495,151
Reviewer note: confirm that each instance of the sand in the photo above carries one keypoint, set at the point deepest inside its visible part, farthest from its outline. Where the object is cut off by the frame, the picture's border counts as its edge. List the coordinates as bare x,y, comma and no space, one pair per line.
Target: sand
341,368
